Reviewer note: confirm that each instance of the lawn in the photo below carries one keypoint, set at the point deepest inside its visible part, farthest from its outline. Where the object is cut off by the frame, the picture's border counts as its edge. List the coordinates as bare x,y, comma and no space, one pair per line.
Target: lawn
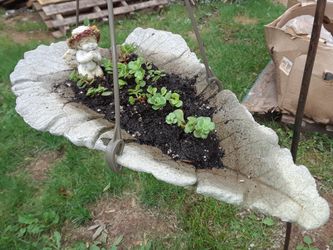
48,185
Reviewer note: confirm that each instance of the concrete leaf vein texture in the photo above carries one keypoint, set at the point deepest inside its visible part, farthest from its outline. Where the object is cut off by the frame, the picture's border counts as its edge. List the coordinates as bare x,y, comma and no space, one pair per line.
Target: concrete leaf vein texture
259,174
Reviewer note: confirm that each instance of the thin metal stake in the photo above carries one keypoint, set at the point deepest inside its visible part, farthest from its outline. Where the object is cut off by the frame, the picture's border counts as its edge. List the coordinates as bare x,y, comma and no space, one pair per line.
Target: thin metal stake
116,145
77,12
209,74
317,23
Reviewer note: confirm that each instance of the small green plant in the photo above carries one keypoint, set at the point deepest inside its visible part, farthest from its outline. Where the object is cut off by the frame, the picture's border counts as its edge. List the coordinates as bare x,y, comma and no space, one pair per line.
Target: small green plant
107,65
100,90
157,99
125,51
123,70
308,244
86,22
268,222
136,93
199,126
154,75
31,225
81,81
174,99
190,125
176,117
135,69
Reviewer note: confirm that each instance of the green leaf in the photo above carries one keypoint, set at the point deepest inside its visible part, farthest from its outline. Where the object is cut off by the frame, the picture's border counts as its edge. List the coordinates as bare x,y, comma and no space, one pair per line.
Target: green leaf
107,93
21,232
190,125
307,240
27,219
171,119
86,22
50,218
268,222
164,90
300,247
107,187
35,229
131,100
122,82
57,239
94,247
118,240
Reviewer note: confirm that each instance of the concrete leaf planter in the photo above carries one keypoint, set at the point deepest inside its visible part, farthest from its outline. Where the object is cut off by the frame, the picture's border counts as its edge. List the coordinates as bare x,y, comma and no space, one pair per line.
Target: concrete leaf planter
258,174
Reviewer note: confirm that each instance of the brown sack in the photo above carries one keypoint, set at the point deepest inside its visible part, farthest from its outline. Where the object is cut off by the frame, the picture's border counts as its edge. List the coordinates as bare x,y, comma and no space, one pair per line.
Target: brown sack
289,52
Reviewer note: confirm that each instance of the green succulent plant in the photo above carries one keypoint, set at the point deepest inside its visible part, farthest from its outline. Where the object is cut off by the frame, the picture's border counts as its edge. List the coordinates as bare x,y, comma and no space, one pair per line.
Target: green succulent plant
123,71
176,117
135,69
174,99
203,127
190,125
157,99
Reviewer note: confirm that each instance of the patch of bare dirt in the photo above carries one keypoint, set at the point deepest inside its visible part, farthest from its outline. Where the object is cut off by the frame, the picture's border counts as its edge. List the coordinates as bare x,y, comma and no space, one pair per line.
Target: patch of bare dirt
245,20
10,28
25,37
322,237
40,166
115,217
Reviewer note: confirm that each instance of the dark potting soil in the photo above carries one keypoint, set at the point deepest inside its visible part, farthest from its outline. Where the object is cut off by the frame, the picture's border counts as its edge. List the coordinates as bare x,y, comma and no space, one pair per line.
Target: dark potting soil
148,126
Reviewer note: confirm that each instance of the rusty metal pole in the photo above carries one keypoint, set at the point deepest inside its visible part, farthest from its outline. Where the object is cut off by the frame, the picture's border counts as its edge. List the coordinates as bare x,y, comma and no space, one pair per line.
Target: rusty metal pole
210,78
77,13
117,144
317,24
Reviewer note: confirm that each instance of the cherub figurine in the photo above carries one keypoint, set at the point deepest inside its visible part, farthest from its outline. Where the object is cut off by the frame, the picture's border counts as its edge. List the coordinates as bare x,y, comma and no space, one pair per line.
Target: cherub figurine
84,52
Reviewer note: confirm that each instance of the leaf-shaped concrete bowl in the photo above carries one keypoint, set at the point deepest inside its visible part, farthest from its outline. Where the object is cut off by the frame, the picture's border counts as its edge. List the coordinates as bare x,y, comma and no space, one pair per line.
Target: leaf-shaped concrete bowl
258,174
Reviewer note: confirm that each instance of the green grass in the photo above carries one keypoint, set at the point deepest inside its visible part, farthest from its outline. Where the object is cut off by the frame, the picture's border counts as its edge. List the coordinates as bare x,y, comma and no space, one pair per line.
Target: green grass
236,52
30,26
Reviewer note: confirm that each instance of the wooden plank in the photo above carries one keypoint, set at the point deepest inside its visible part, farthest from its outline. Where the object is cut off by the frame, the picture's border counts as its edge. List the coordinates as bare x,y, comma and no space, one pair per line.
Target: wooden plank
49,24
117,11
124,3
67,7
43,16
29,3
46,2
37,6
97,9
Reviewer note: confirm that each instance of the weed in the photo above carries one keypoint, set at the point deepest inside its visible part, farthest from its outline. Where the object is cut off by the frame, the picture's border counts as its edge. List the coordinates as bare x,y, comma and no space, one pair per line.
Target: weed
308,244
81,81
100,90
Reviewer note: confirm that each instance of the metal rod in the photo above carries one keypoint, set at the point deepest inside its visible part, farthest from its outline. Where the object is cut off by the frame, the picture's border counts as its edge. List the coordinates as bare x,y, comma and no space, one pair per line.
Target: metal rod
114,64
116,146
197,34
77,13
317,24
209,75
